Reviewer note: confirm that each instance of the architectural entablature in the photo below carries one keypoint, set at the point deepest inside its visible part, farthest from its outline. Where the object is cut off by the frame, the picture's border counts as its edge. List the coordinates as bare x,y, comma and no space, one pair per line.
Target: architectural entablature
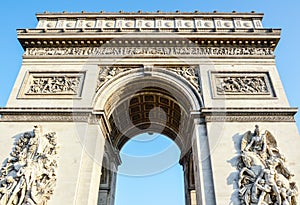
177,29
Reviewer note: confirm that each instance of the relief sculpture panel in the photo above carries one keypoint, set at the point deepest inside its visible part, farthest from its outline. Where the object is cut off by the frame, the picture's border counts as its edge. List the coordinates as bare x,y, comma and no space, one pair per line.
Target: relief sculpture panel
28,175
241,85
54,85
264,177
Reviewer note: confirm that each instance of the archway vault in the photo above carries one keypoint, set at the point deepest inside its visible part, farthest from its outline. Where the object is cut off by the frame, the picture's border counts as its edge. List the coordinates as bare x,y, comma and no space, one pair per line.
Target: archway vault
149,99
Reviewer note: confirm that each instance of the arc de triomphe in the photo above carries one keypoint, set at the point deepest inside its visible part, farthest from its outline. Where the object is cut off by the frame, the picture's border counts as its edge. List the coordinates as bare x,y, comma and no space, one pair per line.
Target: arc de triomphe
91,81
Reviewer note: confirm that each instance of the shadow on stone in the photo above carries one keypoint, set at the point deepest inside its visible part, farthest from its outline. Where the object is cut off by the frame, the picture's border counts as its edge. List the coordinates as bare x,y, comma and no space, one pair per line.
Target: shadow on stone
233,177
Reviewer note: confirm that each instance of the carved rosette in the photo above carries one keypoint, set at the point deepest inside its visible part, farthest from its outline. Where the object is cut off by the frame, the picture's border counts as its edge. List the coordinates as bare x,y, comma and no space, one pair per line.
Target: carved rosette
264,177
28,175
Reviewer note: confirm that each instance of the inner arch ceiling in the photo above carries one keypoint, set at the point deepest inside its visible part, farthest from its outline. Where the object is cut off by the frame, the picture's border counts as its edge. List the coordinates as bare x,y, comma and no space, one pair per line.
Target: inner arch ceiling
160,102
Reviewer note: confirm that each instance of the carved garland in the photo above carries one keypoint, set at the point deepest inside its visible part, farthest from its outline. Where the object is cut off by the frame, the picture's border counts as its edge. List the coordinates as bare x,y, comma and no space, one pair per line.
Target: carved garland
263,175
28,175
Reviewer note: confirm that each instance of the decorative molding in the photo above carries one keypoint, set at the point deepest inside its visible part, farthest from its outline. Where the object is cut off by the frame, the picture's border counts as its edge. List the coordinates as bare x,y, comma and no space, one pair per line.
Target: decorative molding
149,51
249,118
147,24
248,114
52,84
28,175
45,117
264,177
241,85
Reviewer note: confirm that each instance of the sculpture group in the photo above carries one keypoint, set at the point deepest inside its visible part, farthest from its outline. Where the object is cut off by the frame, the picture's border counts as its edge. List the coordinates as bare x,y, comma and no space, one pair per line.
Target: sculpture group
54,85
242,85
28,175
263,175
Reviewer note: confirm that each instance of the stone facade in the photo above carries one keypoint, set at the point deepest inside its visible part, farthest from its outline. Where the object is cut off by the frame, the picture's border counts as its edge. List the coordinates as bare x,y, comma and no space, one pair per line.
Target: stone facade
202,79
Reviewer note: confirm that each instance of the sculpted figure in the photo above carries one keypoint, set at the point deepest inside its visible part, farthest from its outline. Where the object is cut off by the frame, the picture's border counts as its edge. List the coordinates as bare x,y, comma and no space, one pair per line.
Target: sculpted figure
292,193
257,143
6,190
261,192
264,177
29,174
269,175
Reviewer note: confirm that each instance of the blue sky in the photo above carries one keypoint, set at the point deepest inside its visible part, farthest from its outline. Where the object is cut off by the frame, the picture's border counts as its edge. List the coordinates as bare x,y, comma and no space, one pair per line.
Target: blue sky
278,14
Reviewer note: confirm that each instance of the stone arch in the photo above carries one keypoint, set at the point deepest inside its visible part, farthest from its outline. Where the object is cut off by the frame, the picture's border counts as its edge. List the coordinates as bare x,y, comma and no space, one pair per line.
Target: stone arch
160,76
151,99
119,93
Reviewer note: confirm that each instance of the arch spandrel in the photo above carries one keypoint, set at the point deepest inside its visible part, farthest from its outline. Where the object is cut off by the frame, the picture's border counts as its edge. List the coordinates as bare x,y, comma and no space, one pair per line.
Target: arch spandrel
158,76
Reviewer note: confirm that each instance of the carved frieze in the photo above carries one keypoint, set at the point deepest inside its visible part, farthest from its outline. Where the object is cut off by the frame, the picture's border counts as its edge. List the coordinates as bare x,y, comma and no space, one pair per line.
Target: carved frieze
57,85
249,118
149,51
46,117
28,175
264,177
237,85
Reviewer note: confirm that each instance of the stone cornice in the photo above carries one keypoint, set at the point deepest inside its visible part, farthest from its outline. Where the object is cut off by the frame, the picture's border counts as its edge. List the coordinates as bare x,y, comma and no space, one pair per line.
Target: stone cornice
159,14
106,34
5,110
46,115
88,29
248,114
88,115
95,38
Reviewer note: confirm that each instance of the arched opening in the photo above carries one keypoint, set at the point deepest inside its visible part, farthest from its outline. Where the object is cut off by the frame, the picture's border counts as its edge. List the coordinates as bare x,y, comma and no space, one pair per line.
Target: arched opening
147,104
143,179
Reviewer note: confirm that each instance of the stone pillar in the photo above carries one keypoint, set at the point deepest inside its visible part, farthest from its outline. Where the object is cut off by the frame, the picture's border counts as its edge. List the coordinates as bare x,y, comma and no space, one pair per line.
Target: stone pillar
202,165
110,163
90,169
